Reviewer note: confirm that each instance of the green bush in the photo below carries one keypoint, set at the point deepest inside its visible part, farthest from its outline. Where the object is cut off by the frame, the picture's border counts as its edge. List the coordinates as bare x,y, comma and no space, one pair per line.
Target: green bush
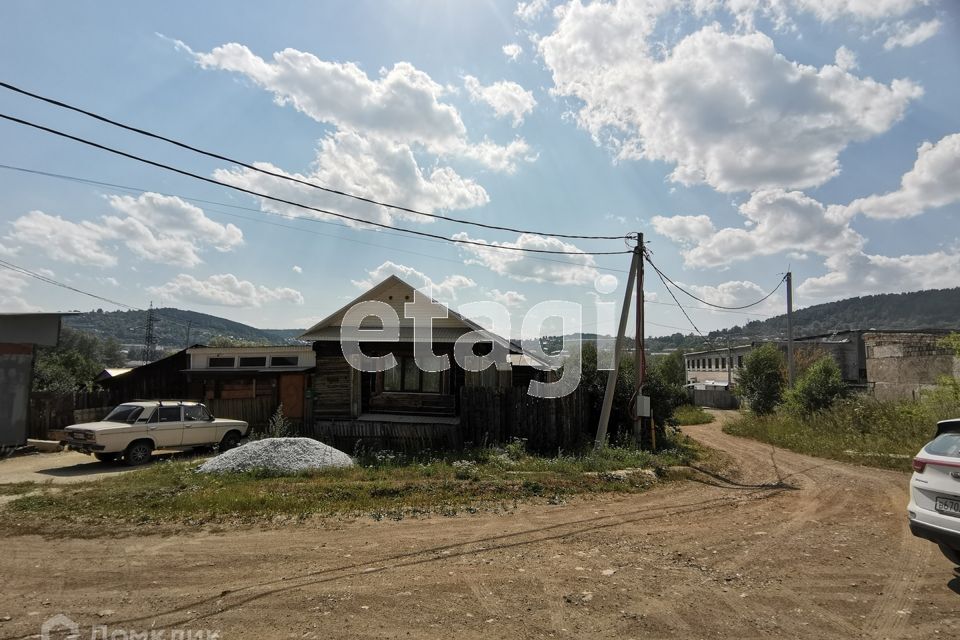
688,414
761,380
817,389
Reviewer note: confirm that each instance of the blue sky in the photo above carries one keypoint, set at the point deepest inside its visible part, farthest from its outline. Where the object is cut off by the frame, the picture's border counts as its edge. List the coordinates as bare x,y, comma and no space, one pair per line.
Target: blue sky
742,138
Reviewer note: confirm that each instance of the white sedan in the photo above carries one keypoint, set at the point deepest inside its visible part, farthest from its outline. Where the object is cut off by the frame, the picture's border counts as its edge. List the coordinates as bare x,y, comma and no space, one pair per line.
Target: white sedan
934,508
134,429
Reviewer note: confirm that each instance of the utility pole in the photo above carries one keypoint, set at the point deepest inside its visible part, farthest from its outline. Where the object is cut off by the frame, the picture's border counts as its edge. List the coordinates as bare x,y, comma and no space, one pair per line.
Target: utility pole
729,365
149,340
617,350
791,369
638,348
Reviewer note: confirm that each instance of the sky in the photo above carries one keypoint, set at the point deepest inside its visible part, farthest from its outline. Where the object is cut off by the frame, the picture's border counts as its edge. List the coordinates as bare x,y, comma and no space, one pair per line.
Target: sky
743,138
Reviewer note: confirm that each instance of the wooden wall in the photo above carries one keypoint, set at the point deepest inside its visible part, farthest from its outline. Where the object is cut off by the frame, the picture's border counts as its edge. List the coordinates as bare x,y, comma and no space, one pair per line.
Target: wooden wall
332,387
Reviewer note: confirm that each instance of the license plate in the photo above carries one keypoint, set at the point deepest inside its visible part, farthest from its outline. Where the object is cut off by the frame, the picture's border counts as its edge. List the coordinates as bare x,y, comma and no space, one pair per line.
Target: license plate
949,506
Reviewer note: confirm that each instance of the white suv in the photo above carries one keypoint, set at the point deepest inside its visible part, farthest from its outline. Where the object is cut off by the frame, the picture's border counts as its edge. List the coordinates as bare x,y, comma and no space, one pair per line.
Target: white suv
135,429
934,508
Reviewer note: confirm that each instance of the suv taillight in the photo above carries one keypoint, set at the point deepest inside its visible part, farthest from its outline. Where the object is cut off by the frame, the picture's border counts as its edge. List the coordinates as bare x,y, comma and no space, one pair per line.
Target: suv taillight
919,465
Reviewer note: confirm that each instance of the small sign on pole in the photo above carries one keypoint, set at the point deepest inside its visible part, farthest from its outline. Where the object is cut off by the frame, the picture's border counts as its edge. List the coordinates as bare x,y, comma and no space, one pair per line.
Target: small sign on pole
643,406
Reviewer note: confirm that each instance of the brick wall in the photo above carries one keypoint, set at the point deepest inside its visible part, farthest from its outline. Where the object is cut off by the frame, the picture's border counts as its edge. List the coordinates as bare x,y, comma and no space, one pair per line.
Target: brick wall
901,365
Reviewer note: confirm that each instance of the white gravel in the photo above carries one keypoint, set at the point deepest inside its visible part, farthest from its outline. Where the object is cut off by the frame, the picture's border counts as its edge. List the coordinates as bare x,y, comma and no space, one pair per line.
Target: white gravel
281,455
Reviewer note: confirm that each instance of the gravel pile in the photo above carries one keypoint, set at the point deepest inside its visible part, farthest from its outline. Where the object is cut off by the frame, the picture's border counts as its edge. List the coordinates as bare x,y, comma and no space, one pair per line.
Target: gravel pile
281,455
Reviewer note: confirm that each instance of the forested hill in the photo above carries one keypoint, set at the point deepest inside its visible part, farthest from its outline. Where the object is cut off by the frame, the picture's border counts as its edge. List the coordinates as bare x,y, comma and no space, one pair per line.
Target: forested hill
171,326
930,309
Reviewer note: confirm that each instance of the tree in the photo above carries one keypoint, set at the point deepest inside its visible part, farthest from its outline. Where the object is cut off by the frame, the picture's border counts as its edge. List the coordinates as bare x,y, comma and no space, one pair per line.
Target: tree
951,341
761,381
229,341
817,388
74,362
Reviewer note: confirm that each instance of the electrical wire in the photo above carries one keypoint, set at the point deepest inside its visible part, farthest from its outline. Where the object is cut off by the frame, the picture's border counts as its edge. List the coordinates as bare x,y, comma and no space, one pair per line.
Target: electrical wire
686,315
258,194
664,278
260,220
274,174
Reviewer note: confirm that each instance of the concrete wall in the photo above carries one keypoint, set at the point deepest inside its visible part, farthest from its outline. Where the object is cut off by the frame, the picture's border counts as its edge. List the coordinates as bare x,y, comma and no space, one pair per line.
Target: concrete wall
901,365
16,367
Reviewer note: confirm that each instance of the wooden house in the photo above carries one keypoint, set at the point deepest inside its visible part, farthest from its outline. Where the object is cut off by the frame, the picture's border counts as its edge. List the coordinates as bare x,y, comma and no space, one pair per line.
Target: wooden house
272,374
404,401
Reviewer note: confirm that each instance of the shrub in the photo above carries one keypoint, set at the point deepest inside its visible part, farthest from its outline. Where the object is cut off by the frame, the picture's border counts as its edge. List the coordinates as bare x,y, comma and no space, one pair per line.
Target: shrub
761,381
818,388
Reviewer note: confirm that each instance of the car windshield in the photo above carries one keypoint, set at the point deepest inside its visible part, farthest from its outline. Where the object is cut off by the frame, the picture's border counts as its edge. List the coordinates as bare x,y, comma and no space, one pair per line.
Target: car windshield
124,413
946,444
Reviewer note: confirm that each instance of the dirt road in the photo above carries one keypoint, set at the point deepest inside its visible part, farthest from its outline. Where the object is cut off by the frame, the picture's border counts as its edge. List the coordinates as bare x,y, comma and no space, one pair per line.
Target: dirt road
796,547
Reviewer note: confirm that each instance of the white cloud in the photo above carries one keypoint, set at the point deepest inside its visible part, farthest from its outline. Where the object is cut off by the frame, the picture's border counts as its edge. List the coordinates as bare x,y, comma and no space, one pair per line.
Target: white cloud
173,217
12,284
909,34
445,289
530,10
934,181
846,59
224,290
404,105
8,252
512,51
781,12
154,227
64,240
297,269
371,167
778,220
725,109
683,229
507,99
109,280
739,292
508,298
858,274
561,269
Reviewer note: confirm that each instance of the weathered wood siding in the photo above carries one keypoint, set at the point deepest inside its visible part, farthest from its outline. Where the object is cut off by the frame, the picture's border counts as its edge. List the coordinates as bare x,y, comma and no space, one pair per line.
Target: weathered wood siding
348,435
332,387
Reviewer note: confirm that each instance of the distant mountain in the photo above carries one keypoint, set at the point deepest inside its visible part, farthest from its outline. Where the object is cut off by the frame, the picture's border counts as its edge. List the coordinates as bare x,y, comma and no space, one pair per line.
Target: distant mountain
930,309
172,326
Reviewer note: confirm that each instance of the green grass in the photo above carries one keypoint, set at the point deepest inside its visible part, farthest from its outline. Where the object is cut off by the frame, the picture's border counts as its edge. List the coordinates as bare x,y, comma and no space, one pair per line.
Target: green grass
383,486
689,414
17,488
860,430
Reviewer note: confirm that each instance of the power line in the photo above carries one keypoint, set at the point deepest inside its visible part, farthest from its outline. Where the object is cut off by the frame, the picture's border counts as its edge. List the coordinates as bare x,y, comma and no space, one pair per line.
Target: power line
260,220
664,278
39,276
282,176
258,194
670,291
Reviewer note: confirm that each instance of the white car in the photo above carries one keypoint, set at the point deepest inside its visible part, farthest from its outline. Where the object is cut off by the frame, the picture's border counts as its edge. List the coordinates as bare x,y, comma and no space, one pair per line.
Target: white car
934,508
135,429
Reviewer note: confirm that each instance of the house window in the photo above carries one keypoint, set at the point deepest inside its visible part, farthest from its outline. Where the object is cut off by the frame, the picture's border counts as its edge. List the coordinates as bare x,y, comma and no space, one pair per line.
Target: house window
723,363
220,362
739,362
284,361
253,361
407,376
716,363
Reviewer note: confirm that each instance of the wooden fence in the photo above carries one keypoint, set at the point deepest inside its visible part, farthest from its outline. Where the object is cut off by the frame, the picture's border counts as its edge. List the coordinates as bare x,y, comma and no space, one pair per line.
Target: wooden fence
490,416
256,411
714,398
50,411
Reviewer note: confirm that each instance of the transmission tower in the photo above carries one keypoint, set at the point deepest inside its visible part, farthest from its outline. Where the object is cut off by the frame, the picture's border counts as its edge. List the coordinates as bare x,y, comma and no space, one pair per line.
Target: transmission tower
149,340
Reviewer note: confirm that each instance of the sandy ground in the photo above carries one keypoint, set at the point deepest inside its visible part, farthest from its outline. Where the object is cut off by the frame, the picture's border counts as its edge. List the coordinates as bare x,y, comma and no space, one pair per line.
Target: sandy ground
796,547
63,467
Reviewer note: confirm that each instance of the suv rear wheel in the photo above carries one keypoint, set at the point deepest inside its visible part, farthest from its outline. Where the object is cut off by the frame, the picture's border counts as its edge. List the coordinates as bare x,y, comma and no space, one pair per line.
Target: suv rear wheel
138,453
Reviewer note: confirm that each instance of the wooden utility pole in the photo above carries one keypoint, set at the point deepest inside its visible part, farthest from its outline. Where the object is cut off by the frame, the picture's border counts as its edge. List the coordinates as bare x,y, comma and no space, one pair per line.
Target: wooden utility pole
617,350
638,353
791,367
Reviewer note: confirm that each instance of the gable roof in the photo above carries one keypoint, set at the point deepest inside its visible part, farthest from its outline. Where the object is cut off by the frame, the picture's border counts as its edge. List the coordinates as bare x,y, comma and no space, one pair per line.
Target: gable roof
396,292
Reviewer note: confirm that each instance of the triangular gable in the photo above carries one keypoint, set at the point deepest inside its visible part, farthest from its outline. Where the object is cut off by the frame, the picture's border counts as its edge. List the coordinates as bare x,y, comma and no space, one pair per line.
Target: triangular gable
395,292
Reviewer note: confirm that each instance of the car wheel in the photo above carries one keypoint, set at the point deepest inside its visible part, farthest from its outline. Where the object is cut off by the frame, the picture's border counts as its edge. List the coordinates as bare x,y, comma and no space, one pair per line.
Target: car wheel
138,453
106,457
953,555
231,440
